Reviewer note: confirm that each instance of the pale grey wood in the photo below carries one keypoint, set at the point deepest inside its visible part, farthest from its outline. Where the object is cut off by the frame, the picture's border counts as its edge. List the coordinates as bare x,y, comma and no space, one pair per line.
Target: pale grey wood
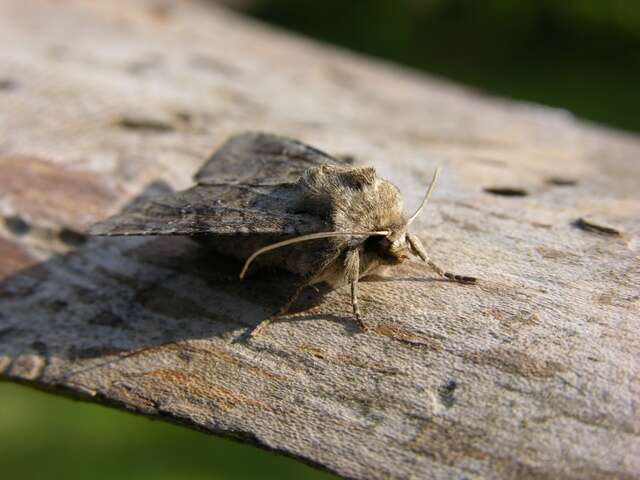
533,373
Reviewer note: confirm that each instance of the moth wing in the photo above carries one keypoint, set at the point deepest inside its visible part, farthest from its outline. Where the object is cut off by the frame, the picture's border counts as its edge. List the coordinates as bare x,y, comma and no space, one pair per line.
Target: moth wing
214,210
246,187
256,158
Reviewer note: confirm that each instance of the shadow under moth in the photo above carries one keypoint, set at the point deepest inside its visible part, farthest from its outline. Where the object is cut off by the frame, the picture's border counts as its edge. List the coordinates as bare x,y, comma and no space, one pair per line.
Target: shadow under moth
271,201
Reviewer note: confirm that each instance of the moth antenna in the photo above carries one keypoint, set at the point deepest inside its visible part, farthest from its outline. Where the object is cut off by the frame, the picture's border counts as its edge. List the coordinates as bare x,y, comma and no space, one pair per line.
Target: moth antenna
303,238
426,197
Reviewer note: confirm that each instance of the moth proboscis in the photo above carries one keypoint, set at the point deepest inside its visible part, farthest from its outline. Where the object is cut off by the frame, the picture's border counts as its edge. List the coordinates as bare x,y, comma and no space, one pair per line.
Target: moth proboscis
276,202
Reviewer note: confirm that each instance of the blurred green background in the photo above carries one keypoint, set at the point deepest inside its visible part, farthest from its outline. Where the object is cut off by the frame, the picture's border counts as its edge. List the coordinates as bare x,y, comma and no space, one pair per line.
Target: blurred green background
582,55
47,437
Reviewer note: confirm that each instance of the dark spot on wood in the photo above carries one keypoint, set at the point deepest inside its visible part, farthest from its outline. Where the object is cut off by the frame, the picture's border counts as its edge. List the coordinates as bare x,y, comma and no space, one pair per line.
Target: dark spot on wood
39,347
144,124
562,182
8,84
507,191
107,319
447,393
72,237
591,226
17,225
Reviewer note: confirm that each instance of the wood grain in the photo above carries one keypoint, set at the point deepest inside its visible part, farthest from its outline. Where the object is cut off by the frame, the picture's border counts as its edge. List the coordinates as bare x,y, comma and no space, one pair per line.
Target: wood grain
533,373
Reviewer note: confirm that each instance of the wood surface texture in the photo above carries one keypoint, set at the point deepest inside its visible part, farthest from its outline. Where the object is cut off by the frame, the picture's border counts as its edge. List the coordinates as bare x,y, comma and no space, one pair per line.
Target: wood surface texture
531,373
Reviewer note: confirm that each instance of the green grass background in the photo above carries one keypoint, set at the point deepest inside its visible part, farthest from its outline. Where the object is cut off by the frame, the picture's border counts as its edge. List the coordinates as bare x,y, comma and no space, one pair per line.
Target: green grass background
47,437
582,55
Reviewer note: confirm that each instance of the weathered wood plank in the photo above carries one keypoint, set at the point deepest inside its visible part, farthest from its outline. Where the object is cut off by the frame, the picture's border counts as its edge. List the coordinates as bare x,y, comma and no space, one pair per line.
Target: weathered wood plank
532,373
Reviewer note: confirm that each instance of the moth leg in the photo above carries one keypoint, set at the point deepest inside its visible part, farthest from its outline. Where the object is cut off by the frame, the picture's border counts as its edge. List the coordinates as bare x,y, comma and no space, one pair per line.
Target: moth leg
418,249
258,329
356,309
352,272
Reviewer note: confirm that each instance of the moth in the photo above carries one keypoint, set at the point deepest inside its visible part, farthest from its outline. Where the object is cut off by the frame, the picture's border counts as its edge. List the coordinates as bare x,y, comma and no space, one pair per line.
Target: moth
272,201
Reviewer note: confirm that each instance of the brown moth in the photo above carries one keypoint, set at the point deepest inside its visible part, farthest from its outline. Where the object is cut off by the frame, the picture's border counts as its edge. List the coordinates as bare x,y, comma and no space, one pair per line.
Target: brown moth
272,201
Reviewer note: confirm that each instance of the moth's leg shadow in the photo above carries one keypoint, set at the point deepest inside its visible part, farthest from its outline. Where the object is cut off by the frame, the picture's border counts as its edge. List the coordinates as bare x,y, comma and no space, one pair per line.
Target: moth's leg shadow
303,298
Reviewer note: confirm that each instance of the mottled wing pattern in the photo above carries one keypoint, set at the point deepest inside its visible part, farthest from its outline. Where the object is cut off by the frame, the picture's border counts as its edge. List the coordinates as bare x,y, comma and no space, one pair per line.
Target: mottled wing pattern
248,186
255,158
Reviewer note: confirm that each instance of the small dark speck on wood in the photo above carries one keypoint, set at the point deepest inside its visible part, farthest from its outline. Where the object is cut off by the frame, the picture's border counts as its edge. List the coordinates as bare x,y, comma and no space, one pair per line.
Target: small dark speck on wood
144,124
447,393
8,84
562,182
17,225
507,191
591,225
72,237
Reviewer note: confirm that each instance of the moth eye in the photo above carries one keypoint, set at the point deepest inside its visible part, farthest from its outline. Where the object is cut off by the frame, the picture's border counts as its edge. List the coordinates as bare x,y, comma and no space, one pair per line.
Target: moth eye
378,244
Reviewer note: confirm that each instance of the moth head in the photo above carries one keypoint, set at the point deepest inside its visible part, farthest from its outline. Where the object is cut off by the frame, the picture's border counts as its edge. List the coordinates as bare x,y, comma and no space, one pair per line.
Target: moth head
395,247
391,249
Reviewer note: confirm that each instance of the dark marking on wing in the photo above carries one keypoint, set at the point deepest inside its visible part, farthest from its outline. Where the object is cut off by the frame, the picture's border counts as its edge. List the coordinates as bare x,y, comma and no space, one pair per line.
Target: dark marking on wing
261,159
